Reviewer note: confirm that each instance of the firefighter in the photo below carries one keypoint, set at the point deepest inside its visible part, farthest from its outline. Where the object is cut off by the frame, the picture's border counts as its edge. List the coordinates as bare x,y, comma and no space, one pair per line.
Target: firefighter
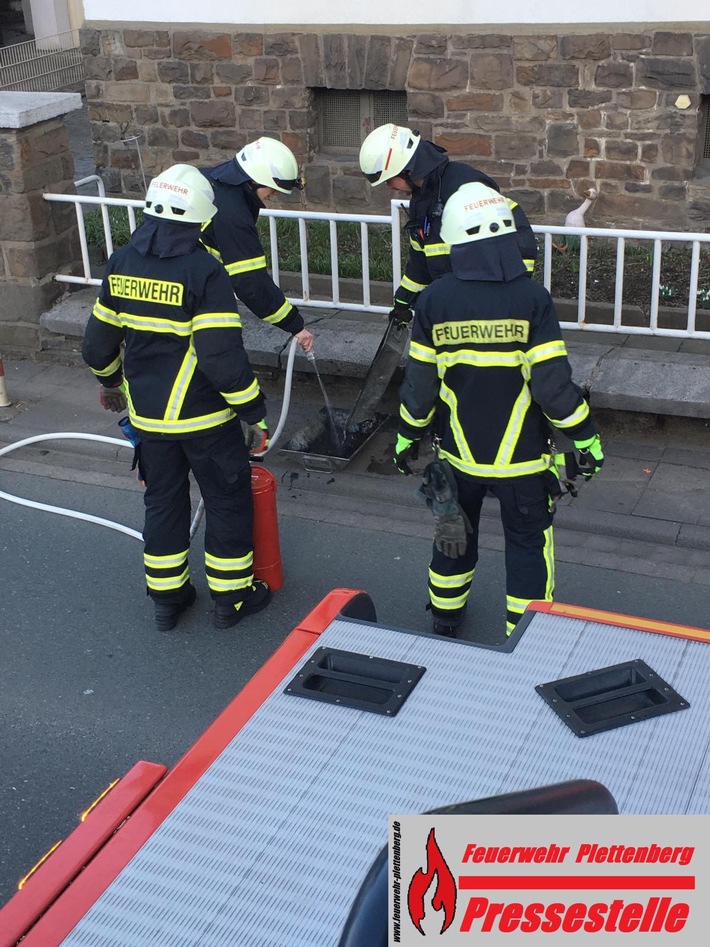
164,339
488,365
241,185
399,157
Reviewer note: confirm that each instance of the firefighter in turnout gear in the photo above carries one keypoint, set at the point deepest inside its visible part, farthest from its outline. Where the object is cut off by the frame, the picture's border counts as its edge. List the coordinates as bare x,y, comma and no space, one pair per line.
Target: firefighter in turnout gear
400,158
241,185
488,369
166,330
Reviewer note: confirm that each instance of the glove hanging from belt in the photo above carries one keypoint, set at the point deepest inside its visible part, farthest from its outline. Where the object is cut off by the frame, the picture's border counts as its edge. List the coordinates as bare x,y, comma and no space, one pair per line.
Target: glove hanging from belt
570,466
440,493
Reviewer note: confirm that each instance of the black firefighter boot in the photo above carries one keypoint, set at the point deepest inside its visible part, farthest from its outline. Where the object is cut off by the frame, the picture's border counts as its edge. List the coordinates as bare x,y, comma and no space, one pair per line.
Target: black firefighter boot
167,613
258,596
447,625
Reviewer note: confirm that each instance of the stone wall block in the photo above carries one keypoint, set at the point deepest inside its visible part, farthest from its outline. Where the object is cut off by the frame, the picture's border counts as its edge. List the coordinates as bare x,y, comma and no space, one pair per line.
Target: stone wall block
110,113
159,137
616,121
449,74
425,105
99,67
335,63
431,44
202,73
25,218
489,71
622,150
399,64
617,171
134,92
613,75
672,44
532,201
590,120
591,46
248,44
592,148
175,118
275,120
193,139
228,139
631,42
547,74
147,70
312,59
678,150
587,99
458,144
515,147
252,95
665,73
266,69
637,99
231,73
563,139
250,121
534,48
481,41
546,98
213,114
300,120
474,102
356,57
350,192
199,45
124,69
188,93
89,41
138,39
292,71
280,45
318,184
112,43
377,62
36,260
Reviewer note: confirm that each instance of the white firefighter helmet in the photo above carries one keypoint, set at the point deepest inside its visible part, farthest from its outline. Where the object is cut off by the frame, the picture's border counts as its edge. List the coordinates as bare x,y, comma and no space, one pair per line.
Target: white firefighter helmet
269,163
387,151
475,212
181,193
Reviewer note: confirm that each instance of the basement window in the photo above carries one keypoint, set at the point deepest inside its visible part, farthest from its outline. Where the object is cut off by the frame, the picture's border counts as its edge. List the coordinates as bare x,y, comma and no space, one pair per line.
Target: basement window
346,117
704,137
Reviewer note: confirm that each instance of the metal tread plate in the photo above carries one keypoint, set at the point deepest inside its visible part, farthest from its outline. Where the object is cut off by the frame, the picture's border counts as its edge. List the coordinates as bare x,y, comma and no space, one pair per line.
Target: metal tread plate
270,845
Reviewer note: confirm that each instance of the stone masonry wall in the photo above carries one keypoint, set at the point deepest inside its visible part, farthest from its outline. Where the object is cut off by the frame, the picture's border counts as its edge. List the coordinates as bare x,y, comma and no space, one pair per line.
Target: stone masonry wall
546,115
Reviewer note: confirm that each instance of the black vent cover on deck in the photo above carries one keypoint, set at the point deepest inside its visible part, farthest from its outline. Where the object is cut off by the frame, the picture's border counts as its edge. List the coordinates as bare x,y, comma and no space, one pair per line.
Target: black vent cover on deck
611,697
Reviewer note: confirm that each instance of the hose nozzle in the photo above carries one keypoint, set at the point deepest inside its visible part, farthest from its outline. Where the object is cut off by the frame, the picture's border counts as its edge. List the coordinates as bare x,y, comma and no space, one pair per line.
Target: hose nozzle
311,356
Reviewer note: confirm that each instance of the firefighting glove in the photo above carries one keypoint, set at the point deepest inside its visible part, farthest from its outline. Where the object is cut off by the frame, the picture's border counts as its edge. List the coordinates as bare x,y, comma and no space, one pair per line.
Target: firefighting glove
591,456
400,314
256,437
405,450
113,398
440,492
567,469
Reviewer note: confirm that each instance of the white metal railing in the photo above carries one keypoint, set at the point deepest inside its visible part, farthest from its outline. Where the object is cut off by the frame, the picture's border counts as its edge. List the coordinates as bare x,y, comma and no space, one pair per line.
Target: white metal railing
42,65
656,240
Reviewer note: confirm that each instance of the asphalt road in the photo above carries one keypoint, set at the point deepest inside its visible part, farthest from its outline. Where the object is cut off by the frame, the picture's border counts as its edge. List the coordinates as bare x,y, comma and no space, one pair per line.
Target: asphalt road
88,687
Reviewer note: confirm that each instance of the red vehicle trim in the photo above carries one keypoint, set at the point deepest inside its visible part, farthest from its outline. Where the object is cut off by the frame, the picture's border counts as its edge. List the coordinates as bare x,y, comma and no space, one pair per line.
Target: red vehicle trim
622,621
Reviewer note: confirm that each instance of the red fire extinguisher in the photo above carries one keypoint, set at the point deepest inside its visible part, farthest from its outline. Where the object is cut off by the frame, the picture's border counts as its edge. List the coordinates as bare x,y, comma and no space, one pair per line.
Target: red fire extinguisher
267,550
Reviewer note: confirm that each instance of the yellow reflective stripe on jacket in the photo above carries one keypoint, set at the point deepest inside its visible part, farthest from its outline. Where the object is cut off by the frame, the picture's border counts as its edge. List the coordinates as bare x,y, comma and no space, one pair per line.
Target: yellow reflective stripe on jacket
529,264
415,245
246,266
280,313
510,438
156,324
415,422
549,555
182,381
437,249
104,314
422,353
449,581
186,426
241,562
241,397
211,250
548,350
216,320
110,369
581,414
473,469
450,400
167,584
479,359
410,284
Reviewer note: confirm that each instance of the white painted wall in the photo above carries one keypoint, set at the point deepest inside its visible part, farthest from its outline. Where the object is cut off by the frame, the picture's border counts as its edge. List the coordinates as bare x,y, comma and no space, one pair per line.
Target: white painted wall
402,13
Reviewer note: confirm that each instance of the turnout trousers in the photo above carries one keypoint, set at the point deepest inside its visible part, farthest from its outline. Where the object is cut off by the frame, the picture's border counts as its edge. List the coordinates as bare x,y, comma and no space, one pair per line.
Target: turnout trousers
526,512
219,462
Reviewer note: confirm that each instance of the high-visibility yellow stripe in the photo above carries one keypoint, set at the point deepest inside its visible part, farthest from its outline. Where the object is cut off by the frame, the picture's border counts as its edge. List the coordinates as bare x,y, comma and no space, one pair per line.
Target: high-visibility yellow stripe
548,350
510,438
212,251
422,353
167,584
450,581
437,249
246,266
479,359
517,605
415,245
104,314
549,554
216,320
280,314
110,369
229,585
581,414
415,422
529,264
241,562
448,604
474,469
156,324
413,287
165,562
176,398
201,423
241,397
451,401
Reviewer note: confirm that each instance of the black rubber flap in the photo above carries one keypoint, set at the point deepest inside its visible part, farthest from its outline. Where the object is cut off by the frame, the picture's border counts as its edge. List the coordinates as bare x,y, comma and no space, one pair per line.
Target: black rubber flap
360,681
611,697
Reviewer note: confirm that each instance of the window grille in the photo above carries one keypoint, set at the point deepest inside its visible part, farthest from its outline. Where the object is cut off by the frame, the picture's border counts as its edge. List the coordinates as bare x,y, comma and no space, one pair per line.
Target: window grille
704,143
346,117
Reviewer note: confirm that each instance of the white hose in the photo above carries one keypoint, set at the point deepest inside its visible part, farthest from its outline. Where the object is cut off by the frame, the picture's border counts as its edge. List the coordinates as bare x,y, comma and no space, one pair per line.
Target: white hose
71,436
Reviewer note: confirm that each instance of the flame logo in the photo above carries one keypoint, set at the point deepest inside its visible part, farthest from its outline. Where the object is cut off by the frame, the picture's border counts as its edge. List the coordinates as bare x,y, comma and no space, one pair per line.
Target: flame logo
444,897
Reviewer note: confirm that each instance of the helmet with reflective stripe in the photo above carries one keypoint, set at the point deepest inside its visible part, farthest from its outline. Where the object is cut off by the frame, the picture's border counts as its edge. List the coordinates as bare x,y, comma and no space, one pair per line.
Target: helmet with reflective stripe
476,212
269,163
387,151
181,193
